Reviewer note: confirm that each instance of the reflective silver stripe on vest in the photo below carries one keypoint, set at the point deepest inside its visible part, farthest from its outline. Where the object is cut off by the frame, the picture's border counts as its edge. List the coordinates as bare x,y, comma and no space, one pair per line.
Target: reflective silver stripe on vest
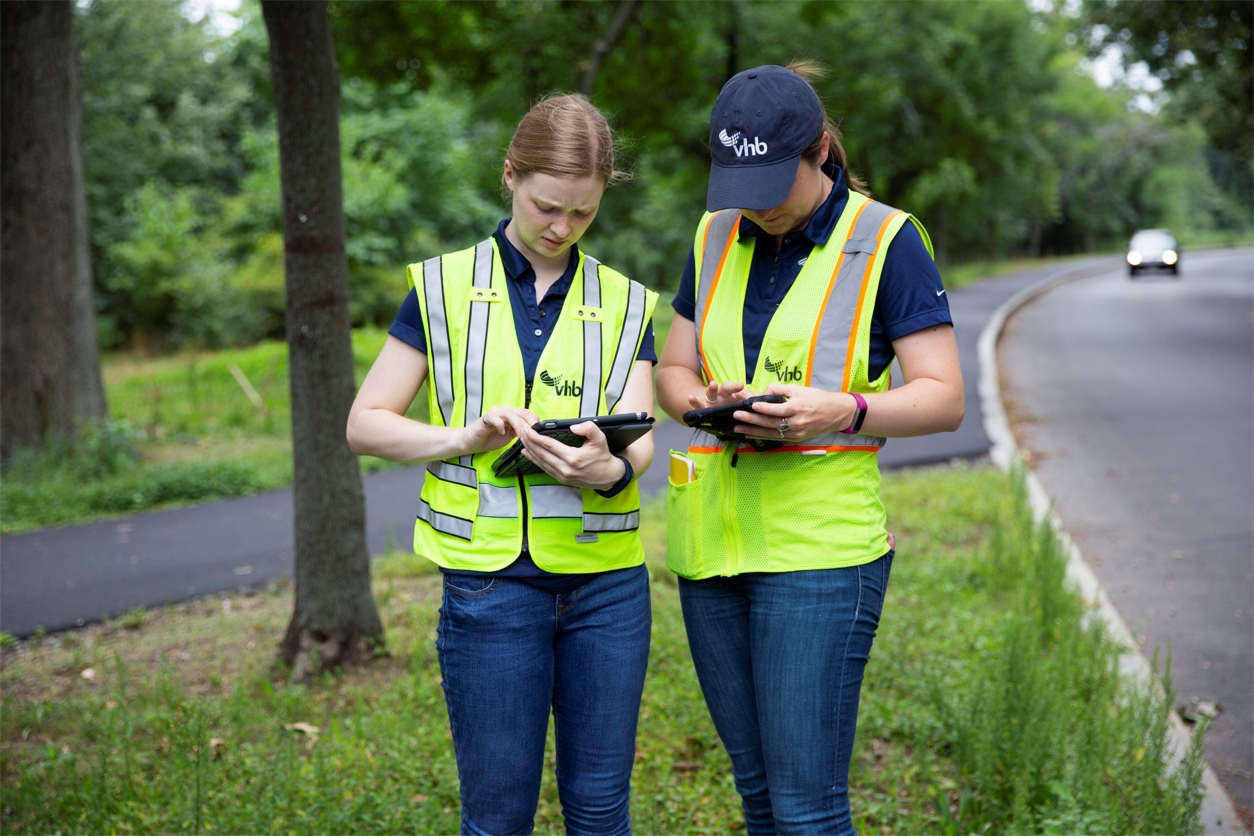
841,440
591,398
437,331
836,325
496,501
455,473
477,339
555,502
701,438
860,245
716,235
445,523
625,356
611,522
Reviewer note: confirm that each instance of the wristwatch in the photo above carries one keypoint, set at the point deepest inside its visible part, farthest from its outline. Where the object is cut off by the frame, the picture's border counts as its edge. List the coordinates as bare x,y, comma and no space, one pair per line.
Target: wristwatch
618,487
859,415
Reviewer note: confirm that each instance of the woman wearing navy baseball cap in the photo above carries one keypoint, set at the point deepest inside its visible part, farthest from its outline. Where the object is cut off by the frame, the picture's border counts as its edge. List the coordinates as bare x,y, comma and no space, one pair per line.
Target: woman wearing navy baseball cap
798,285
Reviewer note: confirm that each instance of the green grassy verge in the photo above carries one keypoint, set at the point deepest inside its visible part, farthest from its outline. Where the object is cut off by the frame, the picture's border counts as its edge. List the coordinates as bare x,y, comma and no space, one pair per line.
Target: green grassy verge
184,430
990,705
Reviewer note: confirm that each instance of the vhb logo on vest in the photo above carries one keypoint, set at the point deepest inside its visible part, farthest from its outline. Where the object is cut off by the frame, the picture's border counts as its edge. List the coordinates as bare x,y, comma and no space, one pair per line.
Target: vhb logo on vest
782,373
568,389
746,149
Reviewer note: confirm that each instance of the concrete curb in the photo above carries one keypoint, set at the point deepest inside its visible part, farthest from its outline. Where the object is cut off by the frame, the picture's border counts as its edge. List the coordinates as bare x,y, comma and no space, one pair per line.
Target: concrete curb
1217,814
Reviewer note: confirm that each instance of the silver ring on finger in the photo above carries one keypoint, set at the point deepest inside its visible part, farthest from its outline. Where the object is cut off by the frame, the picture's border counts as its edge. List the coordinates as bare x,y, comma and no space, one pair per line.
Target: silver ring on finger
783,427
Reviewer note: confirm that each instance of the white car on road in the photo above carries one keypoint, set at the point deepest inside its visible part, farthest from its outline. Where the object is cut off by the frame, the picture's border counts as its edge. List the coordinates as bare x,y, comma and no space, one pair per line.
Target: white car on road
1153,248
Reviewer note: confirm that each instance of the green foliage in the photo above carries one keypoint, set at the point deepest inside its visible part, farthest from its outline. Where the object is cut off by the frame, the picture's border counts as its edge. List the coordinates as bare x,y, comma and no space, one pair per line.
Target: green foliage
977,117
185,431
1048,736
1203,50
59,500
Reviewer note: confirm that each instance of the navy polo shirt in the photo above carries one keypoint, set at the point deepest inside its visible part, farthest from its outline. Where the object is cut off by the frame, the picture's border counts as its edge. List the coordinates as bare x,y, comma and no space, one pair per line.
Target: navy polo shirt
910,296
533,323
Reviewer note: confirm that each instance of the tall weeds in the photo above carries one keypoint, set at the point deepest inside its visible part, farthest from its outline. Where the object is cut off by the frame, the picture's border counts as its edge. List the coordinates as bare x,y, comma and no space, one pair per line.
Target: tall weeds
1048,736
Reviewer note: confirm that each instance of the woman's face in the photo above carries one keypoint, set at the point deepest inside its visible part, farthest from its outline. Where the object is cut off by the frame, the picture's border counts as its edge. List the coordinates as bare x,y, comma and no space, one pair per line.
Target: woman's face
797,207
552,213
807,193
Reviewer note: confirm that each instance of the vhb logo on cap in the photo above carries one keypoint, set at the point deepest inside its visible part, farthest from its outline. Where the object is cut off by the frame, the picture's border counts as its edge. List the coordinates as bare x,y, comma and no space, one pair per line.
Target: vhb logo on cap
782,114
757,148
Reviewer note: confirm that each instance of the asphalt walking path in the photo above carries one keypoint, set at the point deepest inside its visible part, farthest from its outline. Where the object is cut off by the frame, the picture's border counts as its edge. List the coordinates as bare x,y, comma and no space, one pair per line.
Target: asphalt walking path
66,577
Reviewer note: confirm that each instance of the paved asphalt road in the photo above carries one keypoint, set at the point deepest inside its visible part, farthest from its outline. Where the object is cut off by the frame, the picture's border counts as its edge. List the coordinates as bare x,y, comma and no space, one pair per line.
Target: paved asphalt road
64,577
1140,400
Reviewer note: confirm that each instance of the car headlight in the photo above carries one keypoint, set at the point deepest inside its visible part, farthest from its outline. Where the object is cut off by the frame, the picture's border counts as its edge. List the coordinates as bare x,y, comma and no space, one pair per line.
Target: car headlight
1170,257
1134,258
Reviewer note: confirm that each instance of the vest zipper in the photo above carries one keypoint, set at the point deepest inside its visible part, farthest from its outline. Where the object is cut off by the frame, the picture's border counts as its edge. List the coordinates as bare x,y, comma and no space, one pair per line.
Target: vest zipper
522,484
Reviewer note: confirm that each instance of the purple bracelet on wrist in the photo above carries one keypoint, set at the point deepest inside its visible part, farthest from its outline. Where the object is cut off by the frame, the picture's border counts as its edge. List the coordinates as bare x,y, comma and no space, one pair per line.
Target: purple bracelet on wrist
859,415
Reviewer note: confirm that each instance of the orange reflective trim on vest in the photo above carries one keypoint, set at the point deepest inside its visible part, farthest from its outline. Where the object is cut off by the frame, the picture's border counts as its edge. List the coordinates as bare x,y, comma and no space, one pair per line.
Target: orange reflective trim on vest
818,323
705,449
802,448
857,314
705,313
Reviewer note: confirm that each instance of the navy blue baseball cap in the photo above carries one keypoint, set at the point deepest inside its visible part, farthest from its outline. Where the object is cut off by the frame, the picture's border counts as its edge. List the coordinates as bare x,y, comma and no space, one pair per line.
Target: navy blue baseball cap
762,122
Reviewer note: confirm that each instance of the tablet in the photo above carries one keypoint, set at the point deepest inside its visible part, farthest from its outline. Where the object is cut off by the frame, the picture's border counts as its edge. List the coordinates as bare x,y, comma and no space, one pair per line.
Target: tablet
719,421
620,431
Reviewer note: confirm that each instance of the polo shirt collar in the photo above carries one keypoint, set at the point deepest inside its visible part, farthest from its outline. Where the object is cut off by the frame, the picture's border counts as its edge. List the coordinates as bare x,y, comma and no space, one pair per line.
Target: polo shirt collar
824,221
517,266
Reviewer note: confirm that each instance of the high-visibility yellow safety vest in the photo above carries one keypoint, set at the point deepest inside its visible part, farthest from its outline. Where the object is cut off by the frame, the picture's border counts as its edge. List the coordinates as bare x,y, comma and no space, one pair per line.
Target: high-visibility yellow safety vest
469,518
813,504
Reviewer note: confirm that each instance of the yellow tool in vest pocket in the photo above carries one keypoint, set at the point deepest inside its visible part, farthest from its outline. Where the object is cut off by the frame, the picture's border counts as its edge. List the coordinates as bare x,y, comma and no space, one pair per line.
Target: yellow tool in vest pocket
683,469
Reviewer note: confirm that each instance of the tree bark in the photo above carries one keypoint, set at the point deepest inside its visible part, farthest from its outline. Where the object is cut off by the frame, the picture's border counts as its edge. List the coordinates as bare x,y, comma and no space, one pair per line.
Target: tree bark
335,620
49,357
588,77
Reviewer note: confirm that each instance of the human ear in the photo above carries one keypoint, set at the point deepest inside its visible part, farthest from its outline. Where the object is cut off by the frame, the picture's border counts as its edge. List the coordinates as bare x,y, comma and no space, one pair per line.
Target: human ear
508,175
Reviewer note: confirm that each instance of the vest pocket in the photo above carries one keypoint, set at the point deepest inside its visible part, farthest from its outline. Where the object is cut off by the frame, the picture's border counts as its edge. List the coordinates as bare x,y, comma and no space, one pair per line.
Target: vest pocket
695,536
449,507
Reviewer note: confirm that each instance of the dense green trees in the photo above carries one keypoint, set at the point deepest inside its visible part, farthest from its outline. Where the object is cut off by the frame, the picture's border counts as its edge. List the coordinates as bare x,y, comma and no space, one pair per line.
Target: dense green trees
975,116
1203,50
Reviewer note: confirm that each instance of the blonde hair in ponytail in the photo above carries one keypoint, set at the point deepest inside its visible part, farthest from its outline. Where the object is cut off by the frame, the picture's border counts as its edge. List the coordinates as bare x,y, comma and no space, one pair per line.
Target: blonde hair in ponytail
811,71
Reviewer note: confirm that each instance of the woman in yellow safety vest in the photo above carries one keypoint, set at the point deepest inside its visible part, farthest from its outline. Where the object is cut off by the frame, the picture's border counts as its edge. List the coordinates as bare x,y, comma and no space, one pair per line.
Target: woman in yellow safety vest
798,285
546,598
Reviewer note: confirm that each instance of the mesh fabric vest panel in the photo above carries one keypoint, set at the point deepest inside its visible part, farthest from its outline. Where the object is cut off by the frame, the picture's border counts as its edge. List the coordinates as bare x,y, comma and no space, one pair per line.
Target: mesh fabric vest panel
811,504
468,517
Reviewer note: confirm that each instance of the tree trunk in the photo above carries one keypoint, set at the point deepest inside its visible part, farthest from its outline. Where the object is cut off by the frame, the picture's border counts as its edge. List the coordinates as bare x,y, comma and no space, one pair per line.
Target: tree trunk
592,66
49,357
335,620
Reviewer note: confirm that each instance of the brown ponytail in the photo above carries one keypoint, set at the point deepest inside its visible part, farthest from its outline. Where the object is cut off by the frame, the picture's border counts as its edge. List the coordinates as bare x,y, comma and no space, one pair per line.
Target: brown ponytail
565,136
811,71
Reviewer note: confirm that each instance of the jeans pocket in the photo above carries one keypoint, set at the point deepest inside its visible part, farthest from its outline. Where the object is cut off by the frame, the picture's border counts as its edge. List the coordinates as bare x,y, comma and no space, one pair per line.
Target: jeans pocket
470,586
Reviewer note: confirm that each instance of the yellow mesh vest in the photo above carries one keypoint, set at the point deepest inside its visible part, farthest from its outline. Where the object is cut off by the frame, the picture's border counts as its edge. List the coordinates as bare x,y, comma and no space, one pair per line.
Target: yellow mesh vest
813,504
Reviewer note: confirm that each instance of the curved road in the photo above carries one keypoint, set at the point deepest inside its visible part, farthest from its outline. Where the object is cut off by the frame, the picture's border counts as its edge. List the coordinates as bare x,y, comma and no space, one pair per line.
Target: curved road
1136,399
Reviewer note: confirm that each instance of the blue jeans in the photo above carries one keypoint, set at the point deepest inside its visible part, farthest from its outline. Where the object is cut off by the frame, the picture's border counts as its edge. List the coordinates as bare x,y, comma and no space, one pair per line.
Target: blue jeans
780,658
510,653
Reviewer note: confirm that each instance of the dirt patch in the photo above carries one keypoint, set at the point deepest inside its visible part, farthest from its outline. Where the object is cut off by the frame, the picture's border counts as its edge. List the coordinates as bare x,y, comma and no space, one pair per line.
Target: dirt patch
204,646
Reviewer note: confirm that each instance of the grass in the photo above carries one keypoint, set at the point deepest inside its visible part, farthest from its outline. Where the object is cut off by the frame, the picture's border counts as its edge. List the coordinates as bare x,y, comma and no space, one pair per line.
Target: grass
990,705
183,430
